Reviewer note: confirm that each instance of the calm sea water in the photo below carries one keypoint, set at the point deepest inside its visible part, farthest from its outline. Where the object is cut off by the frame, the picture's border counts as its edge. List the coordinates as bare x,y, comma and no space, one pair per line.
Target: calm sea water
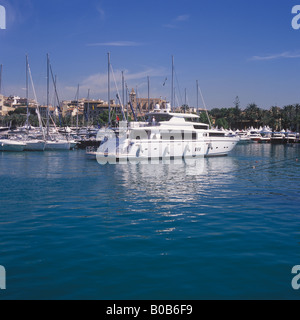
221,228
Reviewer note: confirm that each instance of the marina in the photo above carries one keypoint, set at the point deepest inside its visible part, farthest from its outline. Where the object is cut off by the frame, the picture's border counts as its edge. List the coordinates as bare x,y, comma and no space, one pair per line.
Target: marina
149,151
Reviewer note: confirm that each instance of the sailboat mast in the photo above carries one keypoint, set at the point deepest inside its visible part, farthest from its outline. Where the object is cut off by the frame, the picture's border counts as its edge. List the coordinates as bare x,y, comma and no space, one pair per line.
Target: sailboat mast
88,108
47,96
123,94
108,54
27,94
1,68
172,89
148,94
197,86
77,119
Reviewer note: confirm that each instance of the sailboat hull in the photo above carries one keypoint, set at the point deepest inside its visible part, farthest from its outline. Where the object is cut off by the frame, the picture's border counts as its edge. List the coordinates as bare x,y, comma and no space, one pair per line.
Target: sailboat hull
12,146
35,146
57,145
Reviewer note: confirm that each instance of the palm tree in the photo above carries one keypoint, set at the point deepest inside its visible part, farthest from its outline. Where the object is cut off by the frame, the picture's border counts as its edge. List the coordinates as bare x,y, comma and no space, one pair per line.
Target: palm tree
276,118
253,114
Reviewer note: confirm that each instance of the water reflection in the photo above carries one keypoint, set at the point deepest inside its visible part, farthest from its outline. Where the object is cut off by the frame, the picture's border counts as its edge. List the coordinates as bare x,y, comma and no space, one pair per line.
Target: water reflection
176,180
172,198
171,201
174,192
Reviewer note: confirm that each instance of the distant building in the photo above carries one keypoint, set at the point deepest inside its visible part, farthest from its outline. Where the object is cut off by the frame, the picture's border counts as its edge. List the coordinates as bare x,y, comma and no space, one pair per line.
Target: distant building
44,110
11,103
94,108
4,107
144,104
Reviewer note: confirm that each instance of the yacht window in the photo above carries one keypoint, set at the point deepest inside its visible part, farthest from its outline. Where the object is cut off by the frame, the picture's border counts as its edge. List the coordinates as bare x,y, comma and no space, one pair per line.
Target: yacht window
216,134
201,127
159,117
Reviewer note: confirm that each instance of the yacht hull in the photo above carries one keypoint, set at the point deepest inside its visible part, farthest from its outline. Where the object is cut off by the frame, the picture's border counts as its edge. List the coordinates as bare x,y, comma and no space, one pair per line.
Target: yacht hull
163,150
278,140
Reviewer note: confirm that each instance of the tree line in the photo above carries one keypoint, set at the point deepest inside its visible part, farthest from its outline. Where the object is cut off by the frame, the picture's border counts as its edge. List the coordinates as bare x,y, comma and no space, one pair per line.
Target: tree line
277,118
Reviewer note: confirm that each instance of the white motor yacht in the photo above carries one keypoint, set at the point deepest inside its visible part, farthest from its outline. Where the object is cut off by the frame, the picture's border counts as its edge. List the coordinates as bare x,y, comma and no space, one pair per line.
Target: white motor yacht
255,135
278,137
166,135
291,137
244,136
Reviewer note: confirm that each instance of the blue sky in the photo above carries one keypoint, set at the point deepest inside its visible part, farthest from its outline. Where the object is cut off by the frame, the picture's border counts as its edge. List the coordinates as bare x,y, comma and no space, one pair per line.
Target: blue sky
232,47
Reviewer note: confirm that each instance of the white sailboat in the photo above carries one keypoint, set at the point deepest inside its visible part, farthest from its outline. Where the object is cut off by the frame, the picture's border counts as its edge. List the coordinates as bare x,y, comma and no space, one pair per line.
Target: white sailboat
55,142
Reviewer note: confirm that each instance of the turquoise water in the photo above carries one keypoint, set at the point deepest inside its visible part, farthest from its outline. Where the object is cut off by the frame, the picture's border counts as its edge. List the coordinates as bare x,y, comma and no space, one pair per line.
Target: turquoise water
221,228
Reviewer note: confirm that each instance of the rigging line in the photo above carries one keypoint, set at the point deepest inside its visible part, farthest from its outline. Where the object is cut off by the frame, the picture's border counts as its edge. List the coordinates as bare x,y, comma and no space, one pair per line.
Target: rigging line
56,96
180,96
55,89
187,101
176,99
204,104
138,105
33,89
119,97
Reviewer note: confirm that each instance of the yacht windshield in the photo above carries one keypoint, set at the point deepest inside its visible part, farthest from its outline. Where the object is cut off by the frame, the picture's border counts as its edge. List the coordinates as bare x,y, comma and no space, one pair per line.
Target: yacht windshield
159,117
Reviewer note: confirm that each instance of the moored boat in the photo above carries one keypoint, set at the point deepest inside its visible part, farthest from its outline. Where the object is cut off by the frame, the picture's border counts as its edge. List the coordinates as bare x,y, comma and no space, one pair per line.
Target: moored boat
165,135
255,135
278,138
59,145
244,136
11,145
291,137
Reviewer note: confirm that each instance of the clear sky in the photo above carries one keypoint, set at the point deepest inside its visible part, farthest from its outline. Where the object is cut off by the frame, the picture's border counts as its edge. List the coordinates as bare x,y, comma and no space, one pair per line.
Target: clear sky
232,47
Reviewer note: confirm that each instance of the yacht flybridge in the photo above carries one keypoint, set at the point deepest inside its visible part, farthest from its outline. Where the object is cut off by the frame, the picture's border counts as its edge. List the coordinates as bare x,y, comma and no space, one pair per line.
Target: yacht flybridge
165,135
